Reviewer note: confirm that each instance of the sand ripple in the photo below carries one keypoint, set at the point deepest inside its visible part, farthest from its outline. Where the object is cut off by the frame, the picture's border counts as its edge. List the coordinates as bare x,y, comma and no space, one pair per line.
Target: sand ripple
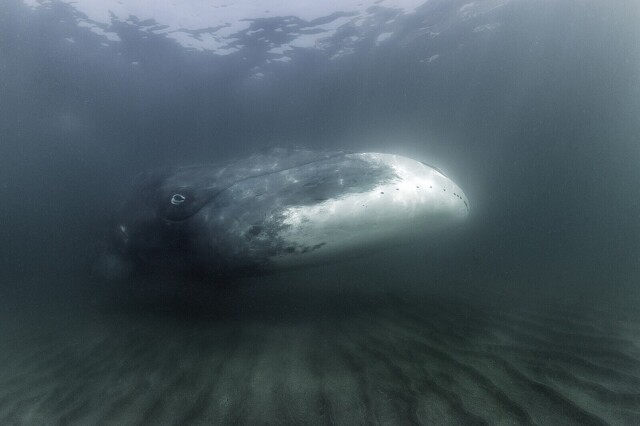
344,359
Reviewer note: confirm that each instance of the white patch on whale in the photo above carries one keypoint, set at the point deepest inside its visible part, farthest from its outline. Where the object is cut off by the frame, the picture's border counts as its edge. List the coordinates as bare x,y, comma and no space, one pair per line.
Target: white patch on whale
418,200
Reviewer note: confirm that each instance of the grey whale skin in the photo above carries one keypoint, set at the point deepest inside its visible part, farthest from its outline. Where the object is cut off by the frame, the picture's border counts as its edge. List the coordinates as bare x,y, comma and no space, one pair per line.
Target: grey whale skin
284,208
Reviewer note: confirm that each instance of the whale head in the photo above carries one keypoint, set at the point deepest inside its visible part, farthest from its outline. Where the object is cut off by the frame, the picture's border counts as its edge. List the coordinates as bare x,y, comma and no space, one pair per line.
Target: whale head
281,210
406,201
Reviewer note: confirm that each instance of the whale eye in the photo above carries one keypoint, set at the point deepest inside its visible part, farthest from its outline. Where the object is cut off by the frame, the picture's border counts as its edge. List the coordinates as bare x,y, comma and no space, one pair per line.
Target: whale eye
177,199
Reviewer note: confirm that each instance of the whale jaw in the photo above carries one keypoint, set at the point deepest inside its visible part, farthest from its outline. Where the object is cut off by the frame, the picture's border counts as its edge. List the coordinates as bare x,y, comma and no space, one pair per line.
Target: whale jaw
419,200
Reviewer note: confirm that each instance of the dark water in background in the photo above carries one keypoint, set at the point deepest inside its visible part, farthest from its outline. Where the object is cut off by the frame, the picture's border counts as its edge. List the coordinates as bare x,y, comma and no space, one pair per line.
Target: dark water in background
538,122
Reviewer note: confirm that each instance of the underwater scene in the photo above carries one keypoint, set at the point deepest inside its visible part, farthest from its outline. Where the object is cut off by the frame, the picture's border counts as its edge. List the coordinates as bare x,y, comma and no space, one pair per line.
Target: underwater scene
356,212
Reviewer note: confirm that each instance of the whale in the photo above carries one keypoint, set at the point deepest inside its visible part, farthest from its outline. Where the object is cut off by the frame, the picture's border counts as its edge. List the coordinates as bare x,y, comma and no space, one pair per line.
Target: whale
276,210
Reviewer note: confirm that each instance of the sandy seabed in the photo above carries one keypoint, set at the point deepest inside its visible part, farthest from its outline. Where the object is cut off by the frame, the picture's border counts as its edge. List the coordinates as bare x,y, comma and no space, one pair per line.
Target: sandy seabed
311,358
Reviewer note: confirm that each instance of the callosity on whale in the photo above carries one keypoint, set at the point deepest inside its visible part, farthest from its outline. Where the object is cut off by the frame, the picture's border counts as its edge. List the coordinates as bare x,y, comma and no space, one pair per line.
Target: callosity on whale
281,209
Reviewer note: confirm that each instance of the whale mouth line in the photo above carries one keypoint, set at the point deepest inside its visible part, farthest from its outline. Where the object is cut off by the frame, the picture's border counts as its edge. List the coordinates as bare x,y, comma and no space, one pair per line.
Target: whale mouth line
434,168
177,200
214,195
